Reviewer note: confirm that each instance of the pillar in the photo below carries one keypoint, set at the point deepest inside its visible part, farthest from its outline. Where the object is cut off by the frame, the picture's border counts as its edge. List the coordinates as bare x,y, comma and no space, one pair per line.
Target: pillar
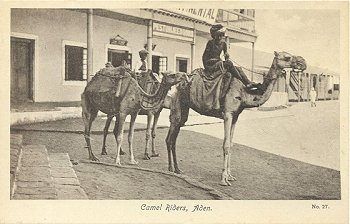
252,68
299,76
89,44
150,43
332,97
193,48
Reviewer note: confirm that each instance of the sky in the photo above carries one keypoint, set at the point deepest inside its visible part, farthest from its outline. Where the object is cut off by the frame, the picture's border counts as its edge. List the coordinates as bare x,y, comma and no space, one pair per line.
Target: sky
312,34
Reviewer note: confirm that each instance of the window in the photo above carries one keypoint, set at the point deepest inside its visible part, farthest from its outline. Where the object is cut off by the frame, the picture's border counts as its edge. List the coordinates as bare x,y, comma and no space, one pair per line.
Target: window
159,63
75,63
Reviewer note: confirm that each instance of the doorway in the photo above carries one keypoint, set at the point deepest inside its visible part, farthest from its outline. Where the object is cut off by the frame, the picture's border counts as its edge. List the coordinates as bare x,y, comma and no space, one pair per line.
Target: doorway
116,57
22,61
181,64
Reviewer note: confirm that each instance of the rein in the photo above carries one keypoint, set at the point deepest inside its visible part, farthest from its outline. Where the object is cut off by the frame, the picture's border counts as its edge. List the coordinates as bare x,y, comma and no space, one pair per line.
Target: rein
247,68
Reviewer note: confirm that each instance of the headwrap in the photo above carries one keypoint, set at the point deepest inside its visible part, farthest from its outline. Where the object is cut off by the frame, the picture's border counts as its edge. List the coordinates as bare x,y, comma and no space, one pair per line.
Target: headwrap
217,29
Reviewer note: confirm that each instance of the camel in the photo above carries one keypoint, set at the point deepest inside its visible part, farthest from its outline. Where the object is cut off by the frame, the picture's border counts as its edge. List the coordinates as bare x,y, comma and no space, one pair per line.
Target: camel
235,100
102,95
149,84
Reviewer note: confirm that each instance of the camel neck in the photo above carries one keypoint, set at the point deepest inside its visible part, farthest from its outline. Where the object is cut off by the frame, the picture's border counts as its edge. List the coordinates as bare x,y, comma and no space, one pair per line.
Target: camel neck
155,100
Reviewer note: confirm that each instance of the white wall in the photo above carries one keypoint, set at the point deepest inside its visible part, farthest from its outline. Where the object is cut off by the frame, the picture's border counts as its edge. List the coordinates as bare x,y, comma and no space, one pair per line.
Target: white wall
52,26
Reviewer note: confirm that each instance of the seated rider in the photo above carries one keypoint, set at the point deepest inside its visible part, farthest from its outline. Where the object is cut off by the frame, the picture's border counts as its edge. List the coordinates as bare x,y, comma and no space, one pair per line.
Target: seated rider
211,56
142,66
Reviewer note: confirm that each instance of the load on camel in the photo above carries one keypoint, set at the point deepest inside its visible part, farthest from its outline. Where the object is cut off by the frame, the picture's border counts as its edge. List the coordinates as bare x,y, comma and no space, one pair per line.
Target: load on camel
149,84
234,98
116,93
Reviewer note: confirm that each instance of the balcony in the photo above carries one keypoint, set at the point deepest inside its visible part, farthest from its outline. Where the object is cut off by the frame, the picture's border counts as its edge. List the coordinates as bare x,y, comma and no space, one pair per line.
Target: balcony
242,19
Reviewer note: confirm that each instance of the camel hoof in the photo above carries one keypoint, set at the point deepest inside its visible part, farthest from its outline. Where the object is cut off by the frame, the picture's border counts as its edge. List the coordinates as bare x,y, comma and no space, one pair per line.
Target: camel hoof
155,155
225,183
117,162
170,169
122,152
178,171
104,153
93,158
231,178
146,157
133,162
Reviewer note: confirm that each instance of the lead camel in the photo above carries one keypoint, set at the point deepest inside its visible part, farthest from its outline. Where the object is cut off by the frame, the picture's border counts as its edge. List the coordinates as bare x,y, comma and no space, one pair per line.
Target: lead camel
234,101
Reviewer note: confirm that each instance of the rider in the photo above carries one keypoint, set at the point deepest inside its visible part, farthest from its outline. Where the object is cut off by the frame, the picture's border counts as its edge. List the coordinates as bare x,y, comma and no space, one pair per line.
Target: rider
211,56
142,66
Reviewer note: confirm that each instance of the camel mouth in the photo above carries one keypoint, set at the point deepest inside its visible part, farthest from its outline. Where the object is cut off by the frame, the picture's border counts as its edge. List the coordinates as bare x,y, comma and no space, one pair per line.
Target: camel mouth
299,63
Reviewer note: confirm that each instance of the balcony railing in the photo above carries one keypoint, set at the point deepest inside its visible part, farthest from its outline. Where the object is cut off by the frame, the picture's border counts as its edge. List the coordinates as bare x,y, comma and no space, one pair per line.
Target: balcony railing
236,18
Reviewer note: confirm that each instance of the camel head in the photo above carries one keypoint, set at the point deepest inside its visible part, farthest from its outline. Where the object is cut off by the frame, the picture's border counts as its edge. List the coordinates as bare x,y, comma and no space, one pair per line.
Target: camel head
171,78
285,60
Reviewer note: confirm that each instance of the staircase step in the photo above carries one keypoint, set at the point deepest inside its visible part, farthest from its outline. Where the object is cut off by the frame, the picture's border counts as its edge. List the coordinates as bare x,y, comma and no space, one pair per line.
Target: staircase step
65,180
33,179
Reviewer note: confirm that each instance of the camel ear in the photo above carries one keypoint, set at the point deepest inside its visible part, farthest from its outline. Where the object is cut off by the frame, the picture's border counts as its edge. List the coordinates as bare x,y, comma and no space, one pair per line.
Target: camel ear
276,53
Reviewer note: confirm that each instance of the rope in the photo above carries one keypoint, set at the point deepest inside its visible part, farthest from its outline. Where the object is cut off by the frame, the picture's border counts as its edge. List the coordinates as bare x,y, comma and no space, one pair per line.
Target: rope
247,68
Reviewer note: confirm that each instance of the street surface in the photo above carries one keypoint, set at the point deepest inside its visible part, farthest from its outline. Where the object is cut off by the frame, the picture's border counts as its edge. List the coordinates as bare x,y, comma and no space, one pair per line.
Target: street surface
274,158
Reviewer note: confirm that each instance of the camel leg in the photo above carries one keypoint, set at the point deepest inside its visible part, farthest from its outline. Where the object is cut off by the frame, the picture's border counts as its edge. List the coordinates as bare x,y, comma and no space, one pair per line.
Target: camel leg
226,148
148,135
105,133
234,121
131,137
118,134
89,114
154,128
171,142
104,137
173,148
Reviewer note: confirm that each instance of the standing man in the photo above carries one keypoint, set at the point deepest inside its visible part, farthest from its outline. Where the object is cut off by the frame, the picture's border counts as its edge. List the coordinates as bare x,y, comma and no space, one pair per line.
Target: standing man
313,97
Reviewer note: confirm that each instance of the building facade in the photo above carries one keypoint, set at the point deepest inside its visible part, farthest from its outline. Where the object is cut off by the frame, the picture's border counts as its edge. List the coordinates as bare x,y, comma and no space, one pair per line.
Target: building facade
50,53
55,51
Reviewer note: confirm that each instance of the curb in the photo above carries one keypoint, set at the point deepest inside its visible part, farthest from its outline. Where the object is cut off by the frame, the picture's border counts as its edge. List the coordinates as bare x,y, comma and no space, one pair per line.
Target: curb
15,141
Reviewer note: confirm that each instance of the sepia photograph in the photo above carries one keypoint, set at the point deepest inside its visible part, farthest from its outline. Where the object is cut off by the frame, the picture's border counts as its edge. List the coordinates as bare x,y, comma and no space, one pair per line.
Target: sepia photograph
176,112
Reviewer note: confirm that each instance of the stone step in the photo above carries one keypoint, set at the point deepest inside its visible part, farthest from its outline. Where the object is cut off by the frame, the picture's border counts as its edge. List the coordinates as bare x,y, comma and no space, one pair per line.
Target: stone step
16,141
33,179
65,180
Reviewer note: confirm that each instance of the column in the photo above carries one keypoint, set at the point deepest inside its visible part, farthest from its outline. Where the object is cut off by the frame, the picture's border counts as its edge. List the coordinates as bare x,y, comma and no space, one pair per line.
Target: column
299,75
318,86
287,84
252,68
193,48
89,44
332,97
150,43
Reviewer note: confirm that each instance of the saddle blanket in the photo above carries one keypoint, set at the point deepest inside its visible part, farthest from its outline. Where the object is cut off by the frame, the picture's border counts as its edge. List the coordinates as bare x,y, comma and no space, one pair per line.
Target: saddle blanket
209,89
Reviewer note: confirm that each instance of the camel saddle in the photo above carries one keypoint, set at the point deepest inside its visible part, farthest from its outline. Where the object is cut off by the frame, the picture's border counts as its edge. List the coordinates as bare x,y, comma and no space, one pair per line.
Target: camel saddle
210,89
108,79
149,83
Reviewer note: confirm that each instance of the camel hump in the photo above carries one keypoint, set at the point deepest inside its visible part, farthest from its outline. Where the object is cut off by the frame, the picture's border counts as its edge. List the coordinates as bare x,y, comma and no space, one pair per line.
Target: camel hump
107,79
118,72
